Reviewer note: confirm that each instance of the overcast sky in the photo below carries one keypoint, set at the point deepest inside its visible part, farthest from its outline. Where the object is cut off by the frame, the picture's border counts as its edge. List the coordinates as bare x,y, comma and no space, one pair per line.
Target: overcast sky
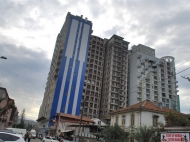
28,31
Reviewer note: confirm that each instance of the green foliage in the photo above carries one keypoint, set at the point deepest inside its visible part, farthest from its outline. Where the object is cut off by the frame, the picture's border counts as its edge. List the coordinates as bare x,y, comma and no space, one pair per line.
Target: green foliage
29,127
21,124
146,134
114,134
173,119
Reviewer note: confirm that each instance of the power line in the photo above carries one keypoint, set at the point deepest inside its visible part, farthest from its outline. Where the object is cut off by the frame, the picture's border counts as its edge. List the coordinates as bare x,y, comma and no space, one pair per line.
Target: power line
183,63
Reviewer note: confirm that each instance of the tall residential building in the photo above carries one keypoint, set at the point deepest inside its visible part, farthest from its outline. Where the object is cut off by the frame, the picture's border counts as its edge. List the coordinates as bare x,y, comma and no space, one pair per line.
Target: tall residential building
93,78
152,78
64,87
103,75
115,80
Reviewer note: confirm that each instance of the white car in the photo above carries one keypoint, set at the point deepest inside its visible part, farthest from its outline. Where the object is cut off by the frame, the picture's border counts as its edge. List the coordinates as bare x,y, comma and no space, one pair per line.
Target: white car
49,139
10,137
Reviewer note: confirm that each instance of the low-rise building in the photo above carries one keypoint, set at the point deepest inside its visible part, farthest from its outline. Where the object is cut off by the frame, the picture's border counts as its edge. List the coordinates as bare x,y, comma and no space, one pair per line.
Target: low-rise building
140,114
8,111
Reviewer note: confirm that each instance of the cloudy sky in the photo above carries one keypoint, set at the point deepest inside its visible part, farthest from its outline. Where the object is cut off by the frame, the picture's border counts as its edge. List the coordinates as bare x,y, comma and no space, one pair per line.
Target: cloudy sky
28,31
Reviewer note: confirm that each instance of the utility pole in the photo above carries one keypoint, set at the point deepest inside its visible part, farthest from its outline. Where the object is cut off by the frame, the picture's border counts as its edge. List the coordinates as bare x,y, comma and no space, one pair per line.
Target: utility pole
186,78
81,117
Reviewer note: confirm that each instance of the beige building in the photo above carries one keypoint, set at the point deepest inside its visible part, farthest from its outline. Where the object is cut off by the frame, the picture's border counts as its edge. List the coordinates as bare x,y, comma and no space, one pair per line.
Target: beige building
93,78
115,80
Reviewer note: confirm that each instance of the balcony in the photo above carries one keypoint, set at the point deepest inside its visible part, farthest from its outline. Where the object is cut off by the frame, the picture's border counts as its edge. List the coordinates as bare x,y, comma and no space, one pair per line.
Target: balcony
155,89
148,97
139,65
139,56
139,96
154,65
155,94
176,86
146,68
139,90
139,75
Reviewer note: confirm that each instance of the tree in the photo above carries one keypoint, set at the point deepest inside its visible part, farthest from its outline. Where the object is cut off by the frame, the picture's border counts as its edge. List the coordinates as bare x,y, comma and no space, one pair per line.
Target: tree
174,119
114,134
146,134
22,118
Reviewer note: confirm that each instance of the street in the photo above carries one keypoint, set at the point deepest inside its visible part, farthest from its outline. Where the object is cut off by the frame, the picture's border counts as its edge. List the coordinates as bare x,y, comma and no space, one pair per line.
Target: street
35,140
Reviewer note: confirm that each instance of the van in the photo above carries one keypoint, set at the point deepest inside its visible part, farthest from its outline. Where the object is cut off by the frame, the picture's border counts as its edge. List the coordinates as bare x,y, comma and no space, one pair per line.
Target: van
33,133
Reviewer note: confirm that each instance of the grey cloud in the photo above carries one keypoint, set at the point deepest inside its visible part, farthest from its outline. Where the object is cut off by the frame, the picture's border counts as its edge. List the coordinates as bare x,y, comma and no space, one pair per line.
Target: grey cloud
24,74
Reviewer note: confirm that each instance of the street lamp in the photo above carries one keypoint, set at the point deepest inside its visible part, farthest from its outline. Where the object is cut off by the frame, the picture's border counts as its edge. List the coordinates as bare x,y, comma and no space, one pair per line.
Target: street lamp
3,57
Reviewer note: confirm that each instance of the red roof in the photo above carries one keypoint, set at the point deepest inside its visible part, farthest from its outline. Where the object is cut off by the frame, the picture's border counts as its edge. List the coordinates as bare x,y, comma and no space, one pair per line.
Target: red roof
86,119
145,105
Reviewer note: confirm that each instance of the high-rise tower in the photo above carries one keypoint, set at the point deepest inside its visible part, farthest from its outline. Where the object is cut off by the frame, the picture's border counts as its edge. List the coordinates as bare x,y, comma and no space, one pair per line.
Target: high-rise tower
115,79
152,78
65,82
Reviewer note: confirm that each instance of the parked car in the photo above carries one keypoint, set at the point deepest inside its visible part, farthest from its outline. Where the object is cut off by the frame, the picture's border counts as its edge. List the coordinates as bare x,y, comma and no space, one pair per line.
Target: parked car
49,139
10,137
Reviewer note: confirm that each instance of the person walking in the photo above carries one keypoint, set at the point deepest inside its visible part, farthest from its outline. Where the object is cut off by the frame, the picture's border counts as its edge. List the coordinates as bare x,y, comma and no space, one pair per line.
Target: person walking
26,136
29,136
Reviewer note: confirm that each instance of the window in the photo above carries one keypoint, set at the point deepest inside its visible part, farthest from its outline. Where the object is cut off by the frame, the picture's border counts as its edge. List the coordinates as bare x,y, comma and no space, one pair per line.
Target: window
132,119
155,120
116,120
86,103
8,137
123,120
90,110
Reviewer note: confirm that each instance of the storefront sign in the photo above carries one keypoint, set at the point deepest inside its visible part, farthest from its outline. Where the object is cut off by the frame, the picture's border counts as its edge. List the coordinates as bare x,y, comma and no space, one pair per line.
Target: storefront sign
175,137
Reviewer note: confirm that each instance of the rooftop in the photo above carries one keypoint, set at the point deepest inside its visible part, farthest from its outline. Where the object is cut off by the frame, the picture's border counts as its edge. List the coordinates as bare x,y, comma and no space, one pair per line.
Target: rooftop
146,105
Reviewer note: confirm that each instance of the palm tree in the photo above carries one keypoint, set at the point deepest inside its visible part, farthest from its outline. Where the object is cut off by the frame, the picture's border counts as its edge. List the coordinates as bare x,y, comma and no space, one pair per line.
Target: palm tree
142,134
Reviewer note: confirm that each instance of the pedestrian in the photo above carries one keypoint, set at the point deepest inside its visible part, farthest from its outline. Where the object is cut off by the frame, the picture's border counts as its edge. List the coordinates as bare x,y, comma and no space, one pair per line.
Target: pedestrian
29,136
26,136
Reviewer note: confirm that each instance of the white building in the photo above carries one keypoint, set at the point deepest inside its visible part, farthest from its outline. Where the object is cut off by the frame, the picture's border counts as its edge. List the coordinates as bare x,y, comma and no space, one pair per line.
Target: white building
140,114
64,87
152,78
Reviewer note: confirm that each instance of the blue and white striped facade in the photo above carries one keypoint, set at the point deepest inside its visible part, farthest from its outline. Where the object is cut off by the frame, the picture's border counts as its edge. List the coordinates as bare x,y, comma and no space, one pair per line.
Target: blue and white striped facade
70,81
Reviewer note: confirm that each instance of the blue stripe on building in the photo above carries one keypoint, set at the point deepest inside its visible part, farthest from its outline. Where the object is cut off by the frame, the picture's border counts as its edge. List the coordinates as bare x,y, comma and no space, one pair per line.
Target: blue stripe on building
83,77
59,79
76,76
64,70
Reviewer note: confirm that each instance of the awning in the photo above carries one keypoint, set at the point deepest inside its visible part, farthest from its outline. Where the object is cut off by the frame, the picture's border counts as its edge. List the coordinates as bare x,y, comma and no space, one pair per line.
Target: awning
41,118
65,131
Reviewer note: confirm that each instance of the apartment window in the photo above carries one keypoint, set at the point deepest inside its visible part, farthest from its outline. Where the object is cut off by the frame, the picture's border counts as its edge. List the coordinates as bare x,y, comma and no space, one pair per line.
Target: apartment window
155,120
92,93
85,109
88,92
91,104
88,86
90,110
91,99
86,104
94,112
